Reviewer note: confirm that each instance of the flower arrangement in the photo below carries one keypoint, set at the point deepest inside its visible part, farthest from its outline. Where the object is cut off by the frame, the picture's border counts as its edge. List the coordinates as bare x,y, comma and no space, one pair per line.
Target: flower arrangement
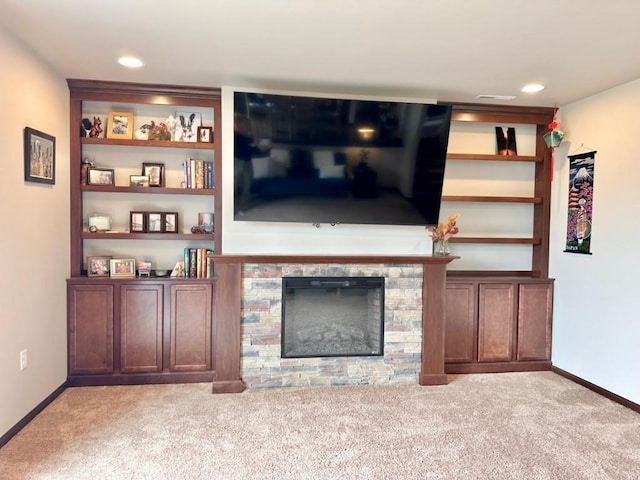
444,231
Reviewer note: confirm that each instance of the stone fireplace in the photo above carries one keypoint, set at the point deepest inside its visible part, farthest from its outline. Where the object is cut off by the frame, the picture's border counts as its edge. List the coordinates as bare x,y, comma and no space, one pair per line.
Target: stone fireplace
263,361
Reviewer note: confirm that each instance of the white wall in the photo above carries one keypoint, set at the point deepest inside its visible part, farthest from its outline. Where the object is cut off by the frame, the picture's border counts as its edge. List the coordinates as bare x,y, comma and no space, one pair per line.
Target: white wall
34,245
596,323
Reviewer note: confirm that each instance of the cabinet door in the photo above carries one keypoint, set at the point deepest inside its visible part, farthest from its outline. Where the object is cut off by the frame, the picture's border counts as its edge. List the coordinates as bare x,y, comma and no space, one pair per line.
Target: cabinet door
460,325
90,329
496,320
534,321
141,328
191,327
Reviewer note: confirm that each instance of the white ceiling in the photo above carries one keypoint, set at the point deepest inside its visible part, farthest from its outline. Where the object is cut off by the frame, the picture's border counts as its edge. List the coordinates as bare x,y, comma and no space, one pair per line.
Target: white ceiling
446,49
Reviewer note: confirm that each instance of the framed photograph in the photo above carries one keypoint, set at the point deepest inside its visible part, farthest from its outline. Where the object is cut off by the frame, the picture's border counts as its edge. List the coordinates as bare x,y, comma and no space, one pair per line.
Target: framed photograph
171,222
98,266
39,157
120,125
155,172
186,129
122,267
137,222
139,181
155,223
205,134
100,176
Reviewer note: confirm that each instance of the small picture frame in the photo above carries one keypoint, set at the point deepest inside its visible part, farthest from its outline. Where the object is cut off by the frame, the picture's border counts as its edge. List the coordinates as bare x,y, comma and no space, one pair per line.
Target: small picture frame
139,180
120,125
205,134
98,266
137,222
155,172
100,176
155,222
122,268
144,268
171,222
39,157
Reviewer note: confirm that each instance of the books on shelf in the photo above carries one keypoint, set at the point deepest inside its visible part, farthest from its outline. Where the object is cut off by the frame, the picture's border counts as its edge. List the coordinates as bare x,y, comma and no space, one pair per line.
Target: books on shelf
197,263
198,173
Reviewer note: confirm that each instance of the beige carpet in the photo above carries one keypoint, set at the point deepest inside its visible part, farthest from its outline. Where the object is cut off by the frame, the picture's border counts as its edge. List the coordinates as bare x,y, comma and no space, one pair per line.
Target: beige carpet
495,426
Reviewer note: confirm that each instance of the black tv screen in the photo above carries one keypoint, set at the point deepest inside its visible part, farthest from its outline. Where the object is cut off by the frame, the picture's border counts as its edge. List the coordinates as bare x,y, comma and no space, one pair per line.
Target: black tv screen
338,161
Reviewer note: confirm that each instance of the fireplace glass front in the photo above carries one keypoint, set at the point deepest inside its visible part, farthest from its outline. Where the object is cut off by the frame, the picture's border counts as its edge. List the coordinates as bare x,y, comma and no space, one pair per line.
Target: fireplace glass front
332,316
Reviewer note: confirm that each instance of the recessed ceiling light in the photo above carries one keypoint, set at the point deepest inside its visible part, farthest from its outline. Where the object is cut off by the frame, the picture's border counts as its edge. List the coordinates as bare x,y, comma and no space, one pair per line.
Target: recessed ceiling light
533,88
131,62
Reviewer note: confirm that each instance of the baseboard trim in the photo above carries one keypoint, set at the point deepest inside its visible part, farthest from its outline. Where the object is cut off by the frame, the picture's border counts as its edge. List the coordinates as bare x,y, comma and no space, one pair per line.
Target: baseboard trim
4,439
605,393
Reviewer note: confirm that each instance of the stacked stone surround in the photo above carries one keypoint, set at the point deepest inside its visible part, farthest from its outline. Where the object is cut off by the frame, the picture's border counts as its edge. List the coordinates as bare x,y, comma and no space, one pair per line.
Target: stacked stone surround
261,363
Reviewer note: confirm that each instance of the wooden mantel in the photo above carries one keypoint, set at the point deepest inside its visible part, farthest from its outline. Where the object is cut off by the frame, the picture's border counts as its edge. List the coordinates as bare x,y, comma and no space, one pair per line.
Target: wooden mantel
228,301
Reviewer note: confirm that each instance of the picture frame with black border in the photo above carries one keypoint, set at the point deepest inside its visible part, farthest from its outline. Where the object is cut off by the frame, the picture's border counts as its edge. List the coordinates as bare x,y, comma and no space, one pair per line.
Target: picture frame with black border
120,125
98,266
137,222
100,176
122,268
170,222
205,134
155,222
155,172
139,180
39,157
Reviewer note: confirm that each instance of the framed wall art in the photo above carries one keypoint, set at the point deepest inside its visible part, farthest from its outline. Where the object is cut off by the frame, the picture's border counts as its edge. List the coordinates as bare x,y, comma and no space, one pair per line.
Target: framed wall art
122,268
39,157
98,266
120,125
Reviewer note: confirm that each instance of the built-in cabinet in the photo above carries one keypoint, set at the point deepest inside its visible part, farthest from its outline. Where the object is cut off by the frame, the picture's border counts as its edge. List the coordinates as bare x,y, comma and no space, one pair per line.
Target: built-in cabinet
498,324
498,311
147,327
139,331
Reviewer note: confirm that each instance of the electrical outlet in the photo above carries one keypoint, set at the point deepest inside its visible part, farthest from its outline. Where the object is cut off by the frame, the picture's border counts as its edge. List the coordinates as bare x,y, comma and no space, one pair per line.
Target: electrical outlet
23,359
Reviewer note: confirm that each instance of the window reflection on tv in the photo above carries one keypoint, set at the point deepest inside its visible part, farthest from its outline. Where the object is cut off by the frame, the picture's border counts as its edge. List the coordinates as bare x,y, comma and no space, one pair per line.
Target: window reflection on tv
329,160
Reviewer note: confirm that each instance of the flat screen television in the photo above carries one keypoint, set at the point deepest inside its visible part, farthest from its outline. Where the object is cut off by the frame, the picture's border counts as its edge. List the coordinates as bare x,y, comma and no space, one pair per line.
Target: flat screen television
339,161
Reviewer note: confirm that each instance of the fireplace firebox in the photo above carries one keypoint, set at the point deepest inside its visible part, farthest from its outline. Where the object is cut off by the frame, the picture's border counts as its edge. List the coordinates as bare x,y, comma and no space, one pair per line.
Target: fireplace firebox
332,316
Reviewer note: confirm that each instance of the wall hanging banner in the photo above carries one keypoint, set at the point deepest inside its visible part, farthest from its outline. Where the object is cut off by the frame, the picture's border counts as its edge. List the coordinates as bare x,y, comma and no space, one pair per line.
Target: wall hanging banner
579,223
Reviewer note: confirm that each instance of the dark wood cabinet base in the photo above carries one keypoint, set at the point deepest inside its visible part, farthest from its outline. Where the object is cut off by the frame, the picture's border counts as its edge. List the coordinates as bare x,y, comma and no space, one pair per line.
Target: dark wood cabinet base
139,379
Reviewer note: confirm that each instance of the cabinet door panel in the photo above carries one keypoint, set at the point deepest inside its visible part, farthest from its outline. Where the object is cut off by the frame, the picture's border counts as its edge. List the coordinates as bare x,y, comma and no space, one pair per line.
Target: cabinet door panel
141,328
191,327
90,329
460,323
496,322
534,321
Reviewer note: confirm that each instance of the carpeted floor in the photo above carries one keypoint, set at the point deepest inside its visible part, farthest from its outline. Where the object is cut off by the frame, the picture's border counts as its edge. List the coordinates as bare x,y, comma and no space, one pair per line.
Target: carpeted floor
488,426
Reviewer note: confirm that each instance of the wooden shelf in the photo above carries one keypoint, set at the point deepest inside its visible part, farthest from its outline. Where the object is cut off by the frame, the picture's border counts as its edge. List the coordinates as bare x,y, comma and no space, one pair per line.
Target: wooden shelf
148,190
490,199
497,240
145,143
495,158
146,236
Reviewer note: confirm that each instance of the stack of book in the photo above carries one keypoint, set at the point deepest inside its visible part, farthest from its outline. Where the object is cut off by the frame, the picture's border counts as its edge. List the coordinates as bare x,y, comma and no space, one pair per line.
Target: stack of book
198,173
197,263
